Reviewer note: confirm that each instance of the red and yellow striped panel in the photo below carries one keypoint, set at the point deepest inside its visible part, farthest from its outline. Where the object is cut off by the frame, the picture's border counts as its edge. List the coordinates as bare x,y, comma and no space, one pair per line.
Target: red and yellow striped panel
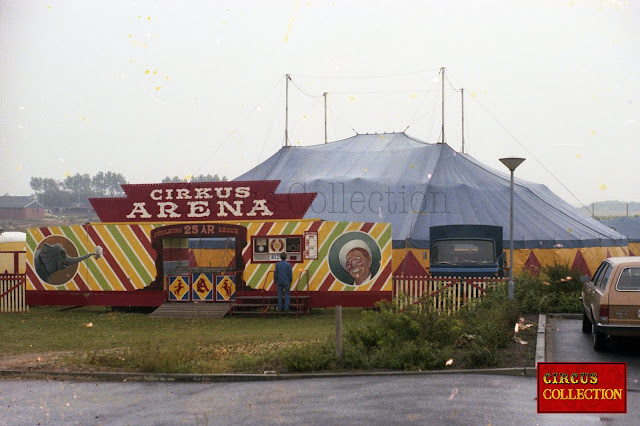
128,260
318,274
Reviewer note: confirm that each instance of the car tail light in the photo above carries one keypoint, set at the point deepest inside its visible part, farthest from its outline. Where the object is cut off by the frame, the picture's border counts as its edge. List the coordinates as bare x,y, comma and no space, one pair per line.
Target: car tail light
604,313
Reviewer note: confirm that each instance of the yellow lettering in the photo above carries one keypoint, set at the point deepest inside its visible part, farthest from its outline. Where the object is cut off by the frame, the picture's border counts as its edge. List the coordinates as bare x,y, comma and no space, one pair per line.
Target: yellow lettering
584,378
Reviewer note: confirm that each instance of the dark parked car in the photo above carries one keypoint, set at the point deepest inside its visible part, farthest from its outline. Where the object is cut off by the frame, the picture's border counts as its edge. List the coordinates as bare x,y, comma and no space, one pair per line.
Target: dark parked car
611,300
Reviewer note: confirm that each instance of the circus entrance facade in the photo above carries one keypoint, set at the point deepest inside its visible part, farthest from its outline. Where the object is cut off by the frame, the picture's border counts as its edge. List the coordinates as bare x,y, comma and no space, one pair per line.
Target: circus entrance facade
206,243
199,262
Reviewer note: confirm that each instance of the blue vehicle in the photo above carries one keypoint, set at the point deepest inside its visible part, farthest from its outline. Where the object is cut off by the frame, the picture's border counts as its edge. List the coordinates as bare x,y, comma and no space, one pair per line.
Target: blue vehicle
467,251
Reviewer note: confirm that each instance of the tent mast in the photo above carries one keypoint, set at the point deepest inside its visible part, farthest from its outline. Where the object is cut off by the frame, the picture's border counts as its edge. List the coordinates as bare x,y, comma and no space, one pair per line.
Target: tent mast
286,118
462,95
442,132
325,117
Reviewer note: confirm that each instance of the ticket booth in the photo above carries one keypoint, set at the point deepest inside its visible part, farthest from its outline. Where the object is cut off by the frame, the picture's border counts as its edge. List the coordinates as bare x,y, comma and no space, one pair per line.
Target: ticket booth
199,262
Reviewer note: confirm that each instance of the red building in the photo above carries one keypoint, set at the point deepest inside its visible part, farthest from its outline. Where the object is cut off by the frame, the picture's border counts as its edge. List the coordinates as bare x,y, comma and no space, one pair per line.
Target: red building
20,208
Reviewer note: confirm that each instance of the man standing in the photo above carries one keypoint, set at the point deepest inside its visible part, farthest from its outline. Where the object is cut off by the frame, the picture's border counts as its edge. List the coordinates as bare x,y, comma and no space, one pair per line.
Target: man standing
283,276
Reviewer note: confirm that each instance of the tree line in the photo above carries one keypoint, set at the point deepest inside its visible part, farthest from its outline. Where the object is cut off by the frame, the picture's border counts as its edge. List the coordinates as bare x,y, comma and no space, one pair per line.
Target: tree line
77,189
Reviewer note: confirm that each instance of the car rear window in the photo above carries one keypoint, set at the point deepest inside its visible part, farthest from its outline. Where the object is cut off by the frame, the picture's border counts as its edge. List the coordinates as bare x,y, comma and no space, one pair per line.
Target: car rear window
596,276
603,279
629,280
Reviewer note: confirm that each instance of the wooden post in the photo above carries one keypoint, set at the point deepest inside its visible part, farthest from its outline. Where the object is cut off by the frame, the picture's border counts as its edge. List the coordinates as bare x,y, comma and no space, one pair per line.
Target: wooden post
339,333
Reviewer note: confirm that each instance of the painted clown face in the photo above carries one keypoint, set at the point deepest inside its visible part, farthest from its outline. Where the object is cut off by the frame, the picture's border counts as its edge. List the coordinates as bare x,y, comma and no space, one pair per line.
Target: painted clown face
358,265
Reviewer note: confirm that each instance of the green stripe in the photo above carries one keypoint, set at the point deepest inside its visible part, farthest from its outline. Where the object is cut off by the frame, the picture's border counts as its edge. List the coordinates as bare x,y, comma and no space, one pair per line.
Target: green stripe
89,263
303,281
324,249
131,256
70,234
289,228
385,237
259,276
31,242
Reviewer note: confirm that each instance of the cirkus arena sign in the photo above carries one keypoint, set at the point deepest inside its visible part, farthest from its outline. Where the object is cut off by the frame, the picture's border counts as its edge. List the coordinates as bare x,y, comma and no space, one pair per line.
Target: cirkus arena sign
202,201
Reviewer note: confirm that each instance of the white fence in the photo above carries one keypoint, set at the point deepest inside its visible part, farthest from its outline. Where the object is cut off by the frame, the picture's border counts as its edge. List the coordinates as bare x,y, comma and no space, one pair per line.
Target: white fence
13,293
442,292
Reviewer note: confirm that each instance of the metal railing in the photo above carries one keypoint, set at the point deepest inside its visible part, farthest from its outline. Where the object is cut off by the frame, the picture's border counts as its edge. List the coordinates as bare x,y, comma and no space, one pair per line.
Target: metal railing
304,307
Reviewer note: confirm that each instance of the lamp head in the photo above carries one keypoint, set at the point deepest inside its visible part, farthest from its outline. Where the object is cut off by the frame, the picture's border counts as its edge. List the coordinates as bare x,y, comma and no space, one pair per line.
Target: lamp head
512,163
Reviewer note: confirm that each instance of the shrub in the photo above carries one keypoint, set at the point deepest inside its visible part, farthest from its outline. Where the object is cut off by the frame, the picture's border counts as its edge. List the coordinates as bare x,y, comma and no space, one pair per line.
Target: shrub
313,356
556,289
478,355
419,337
492,319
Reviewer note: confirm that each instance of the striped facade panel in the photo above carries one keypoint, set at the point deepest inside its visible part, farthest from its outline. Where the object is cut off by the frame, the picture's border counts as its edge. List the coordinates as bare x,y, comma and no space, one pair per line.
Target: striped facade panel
127,262
128,259
325,273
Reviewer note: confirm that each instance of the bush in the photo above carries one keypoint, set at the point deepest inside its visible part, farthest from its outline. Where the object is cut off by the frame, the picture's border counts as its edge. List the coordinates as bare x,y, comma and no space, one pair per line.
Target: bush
492,319
419,337
556,289
313,356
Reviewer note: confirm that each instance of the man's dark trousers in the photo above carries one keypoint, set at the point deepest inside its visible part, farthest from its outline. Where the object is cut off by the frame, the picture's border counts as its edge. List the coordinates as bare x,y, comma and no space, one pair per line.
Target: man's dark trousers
283,276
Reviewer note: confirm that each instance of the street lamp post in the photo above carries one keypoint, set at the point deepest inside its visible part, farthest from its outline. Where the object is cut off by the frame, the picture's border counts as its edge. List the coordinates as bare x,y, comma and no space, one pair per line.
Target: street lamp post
512,164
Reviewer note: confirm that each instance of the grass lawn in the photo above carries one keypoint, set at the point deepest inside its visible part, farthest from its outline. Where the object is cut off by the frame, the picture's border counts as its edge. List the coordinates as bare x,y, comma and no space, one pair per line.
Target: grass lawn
94,338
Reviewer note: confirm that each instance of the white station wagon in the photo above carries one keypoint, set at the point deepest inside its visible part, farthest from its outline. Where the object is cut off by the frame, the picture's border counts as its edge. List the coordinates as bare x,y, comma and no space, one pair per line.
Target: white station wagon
611,300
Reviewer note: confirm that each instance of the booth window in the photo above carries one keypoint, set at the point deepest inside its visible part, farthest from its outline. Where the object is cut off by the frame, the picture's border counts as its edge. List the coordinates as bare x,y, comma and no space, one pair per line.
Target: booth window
268,248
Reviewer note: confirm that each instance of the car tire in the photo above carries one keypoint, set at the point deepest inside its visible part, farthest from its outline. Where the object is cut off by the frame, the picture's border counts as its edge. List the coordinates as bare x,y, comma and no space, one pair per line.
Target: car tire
599,339
586,323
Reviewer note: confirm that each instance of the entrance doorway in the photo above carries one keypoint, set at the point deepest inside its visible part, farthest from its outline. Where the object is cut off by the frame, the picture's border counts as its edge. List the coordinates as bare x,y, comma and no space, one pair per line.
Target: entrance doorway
200,262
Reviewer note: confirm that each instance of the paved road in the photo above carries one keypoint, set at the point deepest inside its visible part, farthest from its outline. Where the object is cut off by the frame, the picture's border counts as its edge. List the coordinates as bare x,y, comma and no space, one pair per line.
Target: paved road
430,399
567,343
423,399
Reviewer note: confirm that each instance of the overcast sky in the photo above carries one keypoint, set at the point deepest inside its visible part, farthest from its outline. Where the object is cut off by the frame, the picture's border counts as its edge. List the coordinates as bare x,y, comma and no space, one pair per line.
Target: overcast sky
162,88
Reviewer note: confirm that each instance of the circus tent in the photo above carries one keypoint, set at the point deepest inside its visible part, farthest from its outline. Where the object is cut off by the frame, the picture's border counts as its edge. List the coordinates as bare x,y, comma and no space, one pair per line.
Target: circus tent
629,227
414,185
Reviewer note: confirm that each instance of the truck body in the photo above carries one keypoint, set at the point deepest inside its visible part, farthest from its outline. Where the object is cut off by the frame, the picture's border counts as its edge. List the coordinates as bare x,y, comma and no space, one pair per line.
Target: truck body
466,251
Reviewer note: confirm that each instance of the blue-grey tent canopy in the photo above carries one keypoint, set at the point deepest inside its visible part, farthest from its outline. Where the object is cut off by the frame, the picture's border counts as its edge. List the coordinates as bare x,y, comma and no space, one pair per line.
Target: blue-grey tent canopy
414,185
627,226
